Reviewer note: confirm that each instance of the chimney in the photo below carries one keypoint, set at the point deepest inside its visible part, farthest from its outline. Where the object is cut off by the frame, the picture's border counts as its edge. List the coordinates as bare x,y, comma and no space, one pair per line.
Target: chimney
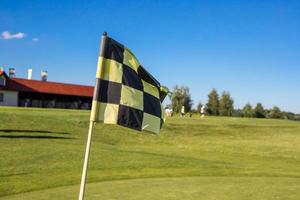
12,72
44,75
29,74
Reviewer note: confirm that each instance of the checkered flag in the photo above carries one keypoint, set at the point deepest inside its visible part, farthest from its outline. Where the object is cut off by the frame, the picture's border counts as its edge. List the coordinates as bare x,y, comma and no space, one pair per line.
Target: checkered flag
125,93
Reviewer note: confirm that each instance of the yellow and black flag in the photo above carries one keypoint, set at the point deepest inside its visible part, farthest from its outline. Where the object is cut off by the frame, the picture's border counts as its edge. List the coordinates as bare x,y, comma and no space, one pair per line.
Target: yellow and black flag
125,93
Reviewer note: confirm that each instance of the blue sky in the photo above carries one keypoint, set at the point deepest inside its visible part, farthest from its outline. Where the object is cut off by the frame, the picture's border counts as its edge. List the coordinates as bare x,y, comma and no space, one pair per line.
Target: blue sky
250,48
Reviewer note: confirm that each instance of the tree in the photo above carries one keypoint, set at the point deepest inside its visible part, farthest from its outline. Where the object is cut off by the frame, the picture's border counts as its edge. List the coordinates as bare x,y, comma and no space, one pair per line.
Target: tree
275,113
259,111
181,97
248,111
213,103
237,113
288,115
226,104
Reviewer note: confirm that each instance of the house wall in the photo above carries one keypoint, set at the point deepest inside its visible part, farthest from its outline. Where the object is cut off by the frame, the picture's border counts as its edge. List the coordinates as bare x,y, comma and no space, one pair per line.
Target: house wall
10,98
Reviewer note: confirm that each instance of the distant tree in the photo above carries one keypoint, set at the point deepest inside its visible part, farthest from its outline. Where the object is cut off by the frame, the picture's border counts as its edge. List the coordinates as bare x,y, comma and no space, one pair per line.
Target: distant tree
288,115
181,97
226,104
259,111
297,117
248,111
237,113
275,113
213,103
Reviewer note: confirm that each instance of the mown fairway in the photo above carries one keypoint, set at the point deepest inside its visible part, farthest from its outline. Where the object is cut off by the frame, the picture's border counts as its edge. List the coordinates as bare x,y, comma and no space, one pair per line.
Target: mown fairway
42,151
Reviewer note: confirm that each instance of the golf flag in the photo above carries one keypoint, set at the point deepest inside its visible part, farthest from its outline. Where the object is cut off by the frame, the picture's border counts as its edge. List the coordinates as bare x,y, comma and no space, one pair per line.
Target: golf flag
125,93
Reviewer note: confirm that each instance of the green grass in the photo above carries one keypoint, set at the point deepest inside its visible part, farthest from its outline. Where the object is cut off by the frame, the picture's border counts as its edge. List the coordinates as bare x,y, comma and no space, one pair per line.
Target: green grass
42,152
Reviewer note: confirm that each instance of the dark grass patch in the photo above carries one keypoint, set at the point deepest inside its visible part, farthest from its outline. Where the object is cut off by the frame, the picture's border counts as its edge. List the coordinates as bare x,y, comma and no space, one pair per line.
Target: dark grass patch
30,131
33,137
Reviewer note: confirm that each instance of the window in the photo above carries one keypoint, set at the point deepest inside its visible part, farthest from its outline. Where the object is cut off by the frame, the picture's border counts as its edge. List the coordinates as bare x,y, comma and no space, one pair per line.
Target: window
1,97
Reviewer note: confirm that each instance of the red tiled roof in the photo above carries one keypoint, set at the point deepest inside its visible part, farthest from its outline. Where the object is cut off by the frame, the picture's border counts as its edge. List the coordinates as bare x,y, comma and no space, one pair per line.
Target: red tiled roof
24,85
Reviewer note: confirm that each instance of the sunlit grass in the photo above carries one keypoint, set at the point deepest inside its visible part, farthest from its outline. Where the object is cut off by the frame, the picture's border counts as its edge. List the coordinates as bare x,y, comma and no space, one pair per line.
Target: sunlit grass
42,151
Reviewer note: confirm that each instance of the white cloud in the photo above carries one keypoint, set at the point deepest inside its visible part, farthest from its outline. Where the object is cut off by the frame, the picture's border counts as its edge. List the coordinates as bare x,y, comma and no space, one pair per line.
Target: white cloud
7,35
35,39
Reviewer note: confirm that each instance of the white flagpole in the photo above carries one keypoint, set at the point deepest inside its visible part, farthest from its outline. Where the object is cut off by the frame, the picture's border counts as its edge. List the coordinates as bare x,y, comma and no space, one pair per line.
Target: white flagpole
91,126
86,161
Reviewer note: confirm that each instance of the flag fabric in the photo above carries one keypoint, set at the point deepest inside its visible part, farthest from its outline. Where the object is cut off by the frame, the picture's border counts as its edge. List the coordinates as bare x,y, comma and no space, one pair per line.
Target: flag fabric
125,93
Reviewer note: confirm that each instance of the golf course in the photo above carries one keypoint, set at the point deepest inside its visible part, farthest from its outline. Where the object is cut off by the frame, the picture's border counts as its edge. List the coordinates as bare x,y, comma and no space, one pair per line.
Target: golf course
220,158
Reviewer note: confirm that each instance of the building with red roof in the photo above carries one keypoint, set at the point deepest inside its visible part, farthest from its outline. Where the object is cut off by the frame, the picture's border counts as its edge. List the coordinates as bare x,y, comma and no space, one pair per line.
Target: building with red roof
35,93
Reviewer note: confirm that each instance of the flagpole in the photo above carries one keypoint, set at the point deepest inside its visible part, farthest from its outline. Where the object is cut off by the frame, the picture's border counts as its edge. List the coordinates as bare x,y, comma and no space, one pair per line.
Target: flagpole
91,126
86,160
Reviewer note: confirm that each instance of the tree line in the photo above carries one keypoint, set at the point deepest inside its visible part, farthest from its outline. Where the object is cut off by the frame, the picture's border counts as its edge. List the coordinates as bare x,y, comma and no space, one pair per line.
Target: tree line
223,105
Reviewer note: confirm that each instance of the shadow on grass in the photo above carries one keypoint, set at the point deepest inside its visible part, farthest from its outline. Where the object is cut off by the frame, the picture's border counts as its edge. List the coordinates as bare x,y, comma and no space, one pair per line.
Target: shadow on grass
34,137
30,131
